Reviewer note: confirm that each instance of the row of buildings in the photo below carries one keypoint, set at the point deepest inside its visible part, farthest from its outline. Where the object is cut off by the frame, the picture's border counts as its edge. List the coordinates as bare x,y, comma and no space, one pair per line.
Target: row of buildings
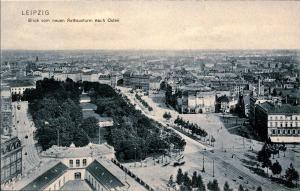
11,148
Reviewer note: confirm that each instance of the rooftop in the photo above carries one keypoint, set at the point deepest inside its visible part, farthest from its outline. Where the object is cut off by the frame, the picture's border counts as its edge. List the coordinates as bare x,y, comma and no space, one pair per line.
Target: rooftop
280,109
104,176
195,87
73,152
76,185
20,83
46,178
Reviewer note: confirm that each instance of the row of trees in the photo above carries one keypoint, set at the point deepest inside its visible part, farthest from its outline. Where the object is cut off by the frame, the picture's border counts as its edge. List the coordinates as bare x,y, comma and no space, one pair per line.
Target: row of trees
145,104
193,127
264,156
55,110
196,183
133,135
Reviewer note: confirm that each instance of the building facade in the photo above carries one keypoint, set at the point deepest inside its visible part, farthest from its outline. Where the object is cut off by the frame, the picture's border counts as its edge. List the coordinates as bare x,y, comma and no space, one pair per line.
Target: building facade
6,111
11,158
280,123
196,99
136,81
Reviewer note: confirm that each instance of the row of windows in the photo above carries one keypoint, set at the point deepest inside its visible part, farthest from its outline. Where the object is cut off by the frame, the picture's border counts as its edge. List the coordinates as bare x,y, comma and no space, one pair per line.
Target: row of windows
285,132
11,170
282,118
77,162
59,184
95,184
11,159
280,124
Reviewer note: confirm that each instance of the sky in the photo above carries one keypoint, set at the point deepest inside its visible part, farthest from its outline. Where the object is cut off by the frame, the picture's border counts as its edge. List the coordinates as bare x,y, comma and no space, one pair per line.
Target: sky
172,25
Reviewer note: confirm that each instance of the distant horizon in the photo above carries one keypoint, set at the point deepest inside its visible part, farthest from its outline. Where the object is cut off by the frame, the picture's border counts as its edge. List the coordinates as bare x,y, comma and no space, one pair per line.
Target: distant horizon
250,49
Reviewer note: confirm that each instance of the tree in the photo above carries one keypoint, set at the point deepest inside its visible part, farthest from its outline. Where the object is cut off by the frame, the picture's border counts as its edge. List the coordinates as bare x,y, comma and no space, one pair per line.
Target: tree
186,180
241,106
276,168
167,116
90,125
185,188
200,184
263,156
194,179
213,186
291,174
179,177
171,181
282,147
259,188
241,188
226,187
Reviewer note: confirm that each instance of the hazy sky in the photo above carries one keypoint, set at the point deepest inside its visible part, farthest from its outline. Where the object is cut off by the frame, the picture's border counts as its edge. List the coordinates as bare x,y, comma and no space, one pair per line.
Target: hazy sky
154,25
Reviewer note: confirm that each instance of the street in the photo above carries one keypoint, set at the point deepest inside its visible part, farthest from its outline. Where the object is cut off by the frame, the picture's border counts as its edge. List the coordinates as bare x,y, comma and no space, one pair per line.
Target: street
24,128
226,167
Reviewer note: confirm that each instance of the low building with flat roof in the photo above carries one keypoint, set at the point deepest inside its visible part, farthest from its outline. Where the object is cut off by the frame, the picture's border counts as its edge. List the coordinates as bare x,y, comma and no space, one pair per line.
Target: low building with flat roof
89,167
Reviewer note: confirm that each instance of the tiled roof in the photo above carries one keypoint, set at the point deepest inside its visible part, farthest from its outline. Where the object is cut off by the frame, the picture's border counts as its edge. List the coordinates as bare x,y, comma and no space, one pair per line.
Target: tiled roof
47,178
280,109
103,176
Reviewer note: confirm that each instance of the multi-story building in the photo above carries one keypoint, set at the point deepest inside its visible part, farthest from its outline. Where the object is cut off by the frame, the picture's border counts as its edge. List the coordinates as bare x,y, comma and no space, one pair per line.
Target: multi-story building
154,84
234,86
11,158
195,98
6,111
18,87
280,123
226,103
136,80
254,101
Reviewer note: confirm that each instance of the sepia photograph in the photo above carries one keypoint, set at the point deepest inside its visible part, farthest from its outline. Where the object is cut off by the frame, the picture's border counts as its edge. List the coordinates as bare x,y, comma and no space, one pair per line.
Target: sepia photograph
138,95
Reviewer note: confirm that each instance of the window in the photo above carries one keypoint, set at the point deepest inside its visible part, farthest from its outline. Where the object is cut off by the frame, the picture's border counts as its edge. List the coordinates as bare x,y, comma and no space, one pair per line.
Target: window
280,124
288,132
278,132
19,165
283,132
276,124
19,155
84,162
77,163
294,131
71,163
13,169
271,124
273,132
